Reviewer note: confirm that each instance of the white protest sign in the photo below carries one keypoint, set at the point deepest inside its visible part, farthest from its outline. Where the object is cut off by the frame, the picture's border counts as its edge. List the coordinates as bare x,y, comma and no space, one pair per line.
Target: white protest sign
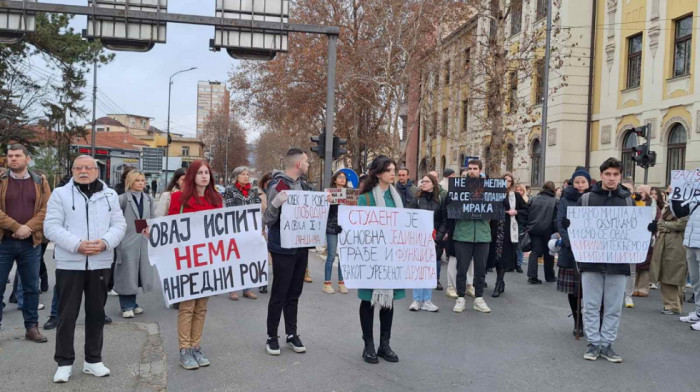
206,253
303,219
386,248
685,185
616,235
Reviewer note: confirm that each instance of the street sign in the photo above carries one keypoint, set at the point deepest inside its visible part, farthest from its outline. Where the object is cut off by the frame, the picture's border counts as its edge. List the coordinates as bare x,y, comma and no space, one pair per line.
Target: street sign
118,33
15,23
249,43
152,160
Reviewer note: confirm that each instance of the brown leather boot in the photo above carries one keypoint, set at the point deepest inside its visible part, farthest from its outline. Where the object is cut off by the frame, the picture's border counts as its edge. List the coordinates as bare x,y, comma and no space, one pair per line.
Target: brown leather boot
34,335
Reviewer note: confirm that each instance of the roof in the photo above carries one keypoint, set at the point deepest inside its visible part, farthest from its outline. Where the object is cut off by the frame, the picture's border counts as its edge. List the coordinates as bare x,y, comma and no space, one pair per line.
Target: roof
128,114
113,140
108,121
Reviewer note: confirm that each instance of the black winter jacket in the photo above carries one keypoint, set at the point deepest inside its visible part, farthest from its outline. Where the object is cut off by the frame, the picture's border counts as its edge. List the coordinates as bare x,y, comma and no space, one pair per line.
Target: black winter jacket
604,198
426,202
542,215
568,199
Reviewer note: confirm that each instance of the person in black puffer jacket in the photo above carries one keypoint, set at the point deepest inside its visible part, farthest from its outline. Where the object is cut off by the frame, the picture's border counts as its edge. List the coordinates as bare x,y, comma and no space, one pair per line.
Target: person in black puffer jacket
541,225
338,180
569,280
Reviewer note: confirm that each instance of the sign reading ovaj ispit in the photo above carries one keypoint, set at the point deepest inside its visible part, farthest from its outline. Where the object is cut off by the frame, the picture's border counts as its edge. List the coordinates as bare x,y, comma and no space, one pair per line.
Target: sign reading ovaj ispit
207,253
616,235
386,248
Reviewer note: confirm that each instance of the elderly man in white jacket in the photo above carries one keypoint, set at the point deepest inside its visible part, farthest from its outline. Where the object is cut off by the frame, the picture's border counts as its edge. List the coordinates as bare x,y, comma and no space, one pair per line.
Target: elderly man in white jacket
691,241
85,222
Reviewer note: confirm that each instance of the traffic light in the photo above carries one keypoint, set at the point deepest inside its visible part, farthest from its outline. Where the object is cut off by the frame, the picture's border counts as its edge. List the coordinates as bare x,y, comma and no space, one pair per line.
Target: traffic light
642,131
643,156
640,154
652,158
320,147
339,147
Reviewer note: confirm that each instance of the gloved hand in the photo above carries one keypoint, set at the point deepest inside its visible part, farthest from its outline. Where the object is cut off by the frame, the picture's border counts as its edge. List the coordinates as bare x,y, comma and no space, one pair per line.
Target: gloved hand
565,222
339,228
652,227
280,199
559,242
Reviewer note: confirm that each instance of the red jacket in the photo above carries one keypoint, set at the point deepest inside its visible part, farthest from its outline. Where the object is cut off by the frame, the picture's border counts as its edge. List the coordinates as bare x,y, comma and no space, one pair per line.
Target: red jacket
193,205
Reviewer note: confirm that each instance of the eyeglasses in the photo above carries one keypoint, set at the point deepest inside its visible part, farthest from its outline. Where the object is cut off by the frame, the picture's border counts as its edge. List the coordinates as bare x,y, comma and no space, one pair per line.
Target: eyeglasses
81,168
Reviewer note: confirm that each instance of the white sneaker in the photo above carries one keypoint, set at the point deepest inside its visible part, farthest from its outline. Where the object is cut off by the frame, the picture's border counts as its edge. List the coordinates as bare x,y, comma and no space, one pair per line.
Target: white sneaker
63,373
41,307
653,286
138,310
429,307
460,305
415,306
112,293
692,317
471,292
688,286
480,305
696,326
128,314
96,369
628,302
451,293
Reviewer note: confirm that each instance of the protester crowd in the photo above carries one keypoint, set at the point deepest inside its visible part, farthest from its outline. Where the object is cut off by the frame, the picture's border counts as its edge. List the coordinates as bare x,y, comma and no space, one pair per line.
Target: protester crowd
101,247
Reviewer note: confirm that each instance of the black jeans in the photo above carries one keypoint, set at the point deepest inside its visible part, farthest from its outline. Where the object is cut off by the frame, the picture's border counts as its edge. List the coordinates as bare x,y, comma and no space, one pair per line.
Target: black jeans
71,286
287,283
539,248
386,317
465,251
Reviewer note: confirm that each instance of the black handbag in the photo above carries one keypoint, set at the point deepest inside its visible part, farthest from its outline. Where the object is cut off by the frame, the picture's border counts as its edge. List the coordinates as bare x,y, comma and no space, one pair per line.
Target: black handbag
525,242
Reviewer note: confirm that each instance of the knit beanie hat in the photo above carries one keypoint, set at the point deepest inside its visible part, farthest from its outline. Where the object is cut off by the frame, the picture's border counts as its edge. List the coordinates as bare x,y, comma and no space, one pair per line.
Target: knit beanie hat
581,172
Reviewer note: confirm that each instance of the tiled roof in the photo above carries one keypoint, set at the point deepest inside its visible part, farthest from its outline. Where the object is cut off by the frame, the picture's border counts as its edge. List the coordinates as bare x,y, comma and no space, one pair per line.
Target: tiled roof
108,121
117,140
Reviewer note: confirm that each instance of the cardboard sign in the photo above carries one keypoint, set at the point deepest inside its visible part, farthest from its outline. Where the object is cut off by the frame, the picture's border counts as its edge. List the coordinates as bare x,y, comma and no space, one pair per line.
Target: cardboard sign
386,248
345,196
616,235
206,253
685,185
303,219
476,198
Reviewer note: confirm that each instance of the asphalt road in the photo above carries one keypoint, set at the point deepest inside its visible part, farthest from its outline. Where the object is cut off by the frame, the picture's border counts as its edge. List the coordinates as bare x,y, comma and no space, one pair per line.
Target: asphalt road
525,344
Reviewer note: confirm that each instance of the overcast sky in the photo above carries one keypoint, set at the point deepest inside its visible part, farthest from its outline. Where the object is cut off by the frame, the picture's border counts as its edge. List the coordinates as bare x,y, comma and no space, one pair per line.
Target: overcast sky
137,83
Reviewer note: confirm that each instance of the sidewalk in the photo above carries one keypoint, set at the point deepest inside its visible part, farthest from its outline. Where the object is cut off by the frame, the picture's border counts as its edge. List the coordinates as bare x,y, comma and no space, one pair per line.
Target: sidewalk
133,352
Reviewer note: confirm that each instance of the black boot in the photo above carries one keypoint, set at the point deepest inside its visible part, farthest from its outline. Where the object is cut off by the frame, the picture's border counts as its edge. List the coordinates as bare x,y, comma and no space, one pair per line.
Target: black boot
369,355
385,350
499,289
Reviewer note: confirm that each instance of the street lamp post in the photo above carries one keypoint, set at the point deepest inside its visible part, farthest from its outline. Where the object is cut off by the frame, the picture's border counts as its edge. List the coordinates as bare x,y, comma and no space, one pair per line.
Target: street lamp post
167,141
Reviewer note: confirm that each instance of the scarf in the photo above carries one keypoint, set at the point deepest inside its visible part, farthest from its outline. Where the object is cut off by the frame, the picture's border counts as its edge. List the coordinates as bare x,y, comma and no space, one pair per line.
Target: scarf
384,297
514,238
243,188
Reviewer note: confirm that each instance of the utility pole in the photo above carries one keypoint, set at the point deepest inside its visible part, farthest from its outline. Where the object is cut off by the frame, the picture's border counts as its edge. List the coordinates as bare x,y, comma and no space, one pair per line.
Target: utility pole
94,105
545,104
330,110
167,145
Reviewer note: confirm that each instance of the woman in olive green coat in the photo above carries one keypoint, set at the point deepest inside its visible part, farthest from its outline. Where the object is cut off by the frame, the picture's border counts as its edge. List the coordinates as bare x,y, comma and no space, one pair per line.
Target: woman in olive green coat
378,191
668,263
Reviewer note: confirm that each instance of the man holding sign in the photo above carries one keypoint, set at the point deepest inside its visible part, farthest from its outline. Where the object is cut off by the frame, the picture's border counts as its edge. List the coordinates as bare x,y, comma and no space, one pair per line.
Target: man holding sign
604,273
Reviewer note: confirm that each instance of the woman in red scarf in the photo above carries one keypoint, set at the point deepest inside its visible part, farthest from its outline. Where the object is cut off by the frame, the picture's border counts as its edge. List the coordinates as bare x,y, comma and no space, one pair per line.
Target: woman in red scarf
241,193
198,194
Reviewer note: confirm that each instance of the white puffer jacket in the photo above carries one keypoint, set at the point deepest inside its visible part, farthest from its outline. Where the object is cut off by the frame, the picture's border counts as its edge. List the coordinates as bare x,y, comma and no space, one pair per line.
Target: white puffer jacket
692,230
71,218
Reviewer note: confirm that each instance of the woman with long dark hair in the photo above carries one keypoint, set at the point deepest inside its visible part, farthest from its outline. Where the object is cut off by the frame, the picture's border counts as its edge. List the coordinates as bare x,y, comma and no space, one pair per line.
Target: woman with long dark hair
174,185
378,190
540,225
338,181
197,194
505,236
427,198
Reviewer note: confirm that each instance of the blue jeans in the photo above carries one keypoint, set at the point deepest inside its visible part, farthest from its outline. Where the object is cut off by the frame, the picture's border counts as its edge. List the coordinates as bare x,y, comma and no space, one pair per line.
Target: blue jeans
606,291
422,295
127,302
28,259
332,247
54,301
521,256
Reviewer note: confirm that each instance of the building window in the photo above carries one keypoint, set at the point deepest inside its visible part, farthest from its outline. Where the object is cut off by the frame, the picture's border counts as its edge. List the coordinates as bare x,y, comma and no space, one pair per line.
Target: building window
539,73
535,155
634,61
107,129
447,73
487,158
433,127
461,161
676,150
445,121
465,115
516,16
443,164
541,11
185,151
493,29
513,98
628,164
510,157
681,57
467,60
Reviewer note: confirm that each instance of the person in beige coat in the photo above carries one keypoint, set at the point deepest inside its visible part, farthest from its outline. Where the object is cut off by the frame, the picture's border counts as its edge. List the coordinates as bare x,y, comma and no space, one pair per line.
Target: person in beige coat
668,263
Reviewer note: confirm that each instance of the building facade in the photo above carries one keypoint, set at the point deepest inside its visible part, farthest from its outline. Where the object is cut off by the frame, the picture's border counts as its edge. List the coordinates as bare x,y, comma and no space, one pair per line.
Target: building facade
211,97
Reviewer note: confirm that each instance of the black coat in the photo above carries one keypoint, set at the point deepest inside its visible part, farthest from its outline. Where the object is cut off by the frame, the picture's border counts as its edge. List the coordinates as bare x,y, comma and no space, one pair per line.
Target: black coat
542,215
569,198
426,202
503,252
332,226
604,198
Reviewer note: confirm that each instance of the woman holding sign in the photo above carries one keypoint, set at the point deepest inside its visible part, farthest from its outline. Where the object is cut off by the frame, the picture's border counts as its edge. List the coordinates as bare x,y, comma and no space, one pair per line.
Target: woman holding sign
427,198
132,269
378,191
338,181
198,194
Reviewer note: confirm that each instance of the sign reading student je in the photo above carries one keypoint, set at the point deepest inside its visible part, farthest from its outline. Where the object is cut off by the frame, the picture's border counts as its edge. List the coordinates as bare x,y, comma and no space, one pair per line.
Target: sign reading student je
206,253
303,219
476,198
386,248
616,235
685,185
